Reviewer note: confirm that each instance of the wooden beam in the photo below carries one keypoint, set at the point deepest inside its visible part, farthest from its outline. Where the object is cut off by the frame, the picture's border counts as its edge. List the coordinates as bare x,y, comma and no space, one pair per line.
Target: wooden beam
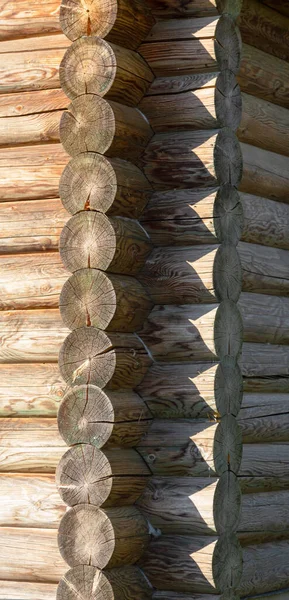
41,128
30,433
195,8
31,460
279,5
264,28
12,590
28,18
29,103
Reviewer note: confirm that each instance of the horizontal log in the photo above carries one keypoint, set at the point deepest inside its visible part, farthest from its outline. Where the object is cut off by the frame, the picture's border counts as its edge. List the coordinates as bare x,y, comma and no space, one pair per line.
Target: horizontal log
125,583
39,128
162,561
31,226
28,19
30,433
264,173
30,390
30,459
35,555
173,58
32,174
113,537
264,124
30,501
279,5
264,28
159,595
177,29
30,103
41,275
179,83
188,217
87,475
201,8
13,590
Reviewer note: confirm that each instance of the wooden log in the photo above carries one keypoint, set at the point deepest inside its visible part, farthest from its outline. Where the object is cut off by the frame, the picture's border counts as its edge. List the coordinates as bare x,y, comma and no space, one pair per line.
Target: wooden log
31,335
85,475
264,124
30,501
178,275
121,22
93,240
91,181
42,277
31,103
264,28
179,83
188,28
28,389
89,355
193,159
279,5
30,433
113,537
35,555
35,64
28,19
87,415
91,124
42,128
185,57
126,583
30,460
33,174
260,75
201,8
162,561
92,66
189,332
113,302
12,590
31,226
188,217
264,173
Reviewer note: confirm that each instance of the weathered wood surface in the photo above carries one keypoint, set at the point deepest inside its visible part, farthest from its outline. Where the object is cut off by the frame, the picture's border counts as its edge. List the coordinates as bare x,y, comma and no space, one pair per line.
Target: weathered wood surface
180,57
260,74
34,555
32,174
42,276
279,5
201,8
30,501
264,173
28,18
169,595
189,217
30,129
179,83
177,29
30,433
31,226
30,103
30,390
264,28
13,590
30,459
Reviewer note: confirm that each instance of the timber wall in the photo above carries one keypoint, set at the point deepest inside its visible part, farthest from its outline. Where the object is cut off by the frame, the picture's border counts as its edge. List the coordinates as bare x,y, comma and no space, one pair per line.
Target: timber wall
169,288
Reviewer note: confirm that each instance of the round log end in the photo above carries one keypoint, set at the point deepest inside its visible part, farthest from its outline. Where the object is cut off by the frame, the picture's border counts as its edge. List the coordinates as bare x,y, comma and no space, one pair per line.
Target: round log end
227,563
228,100
88,125
232,7
87,17
228,44
228,160
228,330
228,446
227,503
227,273
228,387
228,215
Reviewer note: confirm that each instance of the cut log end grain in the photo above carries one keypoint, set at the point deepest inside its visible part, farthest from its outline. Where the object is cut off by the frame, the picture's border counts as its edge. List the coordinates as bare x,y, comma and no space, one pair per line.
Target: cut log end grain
86,475
228,330
227,446
88,17
88,583
227,503
227,563
88,415
113,302
92,182
228,160
112,537
228,100
227,273
228,385
228,215
88,355
93,240
228,44
88,67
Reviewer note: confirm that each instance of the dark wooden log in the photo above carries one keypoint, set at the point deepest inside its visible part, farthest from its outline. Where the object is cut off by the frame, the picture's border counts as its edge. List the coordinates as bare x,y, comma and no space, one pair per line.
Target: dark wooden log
93,240
30,433
201,8
92,182
89,355
279,5
31,103
122,22
264,124
87,415
11,590
126,583
85,475
102,538
260,75
112,302
264,28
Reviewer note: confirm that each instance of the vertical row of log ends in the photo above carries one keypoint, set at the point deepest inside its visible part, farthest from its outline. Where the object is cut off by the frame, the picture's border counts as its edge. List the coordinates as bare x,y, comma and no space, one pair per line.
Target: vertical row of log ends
103,246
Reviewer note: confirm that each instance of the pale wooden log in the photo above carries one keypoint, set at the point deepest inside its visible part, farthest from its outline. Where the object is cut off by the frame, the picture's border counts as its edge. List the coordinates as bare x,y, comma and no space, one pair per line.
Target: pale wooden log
93,240
102,538
193,159
30,129
112,302
89,355
86,475
31,335
124,583
92,124
31,226
34,555
92,66
264,75
199,8
30,501
188,217
30,390
30,103
41,275
92,182
89,415
180,83
28,19
13,590
162,561
264,28
34,65
32,174
30,433
30,459
122,22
